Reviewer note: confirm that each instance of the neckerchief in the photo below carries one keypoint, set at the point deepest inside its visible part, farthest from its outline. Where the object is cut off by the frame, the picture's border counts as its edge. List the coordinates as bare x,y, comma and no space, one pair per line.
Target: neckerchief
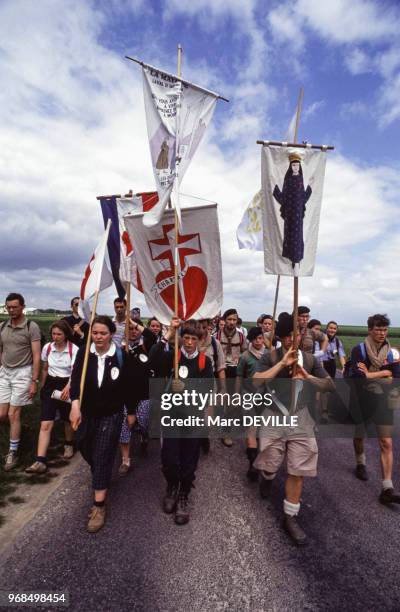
257,354
376,355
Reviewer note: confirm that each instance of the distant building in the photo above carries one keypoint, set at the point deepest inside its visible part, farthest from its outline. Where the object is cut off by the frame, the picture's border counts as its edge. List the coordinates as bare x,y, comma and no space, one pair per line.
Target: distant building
31,311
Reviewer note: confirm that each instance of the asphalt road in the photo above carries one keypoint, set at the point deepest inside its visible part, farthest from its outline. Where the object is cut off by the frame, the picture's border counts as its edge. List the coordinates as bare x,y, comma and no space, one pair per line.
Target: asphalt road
232,555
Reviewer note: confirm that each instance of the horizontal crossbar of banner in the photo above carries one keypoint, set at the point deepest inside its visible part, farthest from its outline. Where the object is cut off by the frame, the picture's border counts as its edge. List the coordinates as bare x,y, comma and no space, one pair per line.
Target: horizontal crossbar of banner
301,145
169,212
118,195
177,78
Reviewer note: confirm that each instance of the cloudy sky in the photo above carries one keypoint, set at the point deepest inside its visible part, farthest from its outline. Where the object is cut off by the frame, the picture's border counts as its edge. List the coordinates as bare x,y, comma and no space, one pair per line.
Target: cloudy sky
73,127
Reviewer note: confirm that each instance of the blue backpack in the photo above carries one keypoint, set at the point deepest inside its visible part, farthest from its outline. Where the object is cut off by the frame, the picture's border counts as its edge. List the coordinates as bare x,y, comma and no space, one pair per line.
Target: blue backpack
348,369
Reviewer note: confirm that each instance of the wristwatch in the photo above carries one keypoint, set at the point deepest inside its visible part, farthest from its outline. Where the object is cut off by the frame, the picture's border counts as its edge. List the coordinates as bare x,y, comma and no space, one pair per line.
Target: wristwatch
35,380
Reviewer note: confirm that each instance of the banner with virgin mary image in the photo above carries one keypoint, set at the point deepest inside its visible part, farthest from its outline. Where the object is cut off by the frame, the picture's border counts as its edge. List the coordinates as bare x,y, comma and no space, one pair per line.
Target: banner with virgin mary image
292,185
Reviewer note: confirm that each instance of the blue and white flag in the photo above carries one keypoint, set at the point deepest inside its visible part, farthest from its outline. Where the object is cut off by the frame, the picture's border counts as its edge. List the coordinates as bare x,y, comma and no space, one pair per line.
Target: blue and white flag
120,249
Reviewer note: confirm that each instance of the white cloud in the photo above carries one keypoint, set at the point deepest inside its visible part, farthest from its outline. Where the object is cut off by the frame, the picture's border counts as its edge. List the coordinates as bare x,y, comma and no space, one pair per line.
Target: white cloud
349,110
216,9
287,27
348,22
312,109
358,62
374,25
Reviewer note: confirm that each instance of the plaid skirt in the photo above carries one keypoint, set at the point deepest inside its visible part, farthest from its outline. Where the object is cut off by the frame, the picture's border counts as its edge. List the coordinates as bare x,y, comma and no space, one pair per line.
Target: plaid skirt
142,423
97,441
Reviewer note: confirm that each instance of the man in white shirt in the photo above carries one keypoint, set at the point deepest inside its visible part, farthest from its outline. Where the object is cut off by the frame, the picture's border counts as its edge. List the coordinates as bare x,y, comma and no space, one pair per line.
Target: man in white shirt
119,320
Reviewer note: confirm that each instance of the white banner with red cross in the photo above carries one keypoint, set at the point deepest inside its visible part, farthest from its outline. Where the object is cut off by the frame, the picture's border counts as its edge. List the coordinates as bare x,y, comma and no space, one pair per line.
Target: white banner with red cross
199,263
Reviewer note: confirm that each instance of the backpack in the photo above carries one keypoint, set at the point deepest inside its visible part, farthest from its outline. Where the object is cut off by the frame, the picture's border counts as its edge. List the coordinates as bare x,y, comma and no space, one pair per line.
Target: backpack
348,370
28,324
201,360
69,349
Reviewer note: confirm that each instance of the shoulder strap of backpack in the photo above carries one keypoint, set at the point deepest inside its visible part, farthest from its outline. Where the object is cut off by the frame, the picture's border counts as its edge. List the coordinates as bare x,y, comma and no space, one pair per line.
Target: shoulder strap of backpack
337,343
215,351
70,349
241,338
363,350
48,351
202,361
120,358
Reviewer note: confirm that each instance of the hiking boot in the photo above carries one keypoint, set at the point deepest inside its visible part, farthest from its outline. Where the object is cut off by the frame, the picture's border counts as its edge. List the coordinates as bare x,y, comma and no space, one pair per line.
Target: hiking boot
169,501
68,451
227,441
37,468
252,473
388,496
264,486
205,445
361,472
292,527
11,461
123,469
97,519
182,509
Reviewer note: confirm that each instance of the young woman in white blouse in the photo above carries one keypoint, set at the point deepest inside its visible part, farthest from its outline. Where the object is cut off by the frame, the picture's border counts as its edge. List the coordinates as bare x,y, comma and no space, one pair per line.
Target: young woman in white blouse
58,358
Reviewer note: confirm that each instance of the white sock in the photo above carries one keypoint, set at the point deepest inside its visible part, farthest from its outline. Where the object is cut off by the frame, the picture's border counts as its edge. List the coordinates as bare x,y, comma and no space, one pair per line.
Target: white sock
360,459
126,461
14,445
387,484
291,509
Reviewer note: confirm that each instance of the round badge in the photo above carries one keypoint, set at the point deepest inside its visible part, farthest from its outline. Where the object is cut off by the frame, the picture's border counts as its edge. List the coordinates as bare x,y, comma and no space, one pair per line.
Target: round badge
183,371
114,373
143,358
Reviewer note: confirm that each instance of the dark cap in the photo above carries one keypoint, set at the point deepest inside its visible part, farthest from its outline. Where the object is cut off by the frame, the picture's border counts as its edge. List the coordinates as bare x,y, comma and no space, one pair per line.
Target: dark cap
229,312
284,327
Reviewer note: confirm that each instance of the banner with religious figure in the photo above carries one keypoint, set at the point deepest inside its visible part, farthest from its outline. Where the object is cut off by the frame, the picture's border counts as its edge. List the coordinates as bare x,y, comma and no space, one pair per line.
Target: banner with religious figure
292,185
177,115
199,263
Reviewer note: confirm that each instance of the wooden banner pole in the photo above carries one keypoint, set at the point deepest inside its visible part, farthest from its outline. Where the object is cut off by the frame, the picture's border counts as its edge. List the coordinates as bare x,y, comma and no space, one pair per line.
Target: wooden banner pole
87,347
296,278
176,254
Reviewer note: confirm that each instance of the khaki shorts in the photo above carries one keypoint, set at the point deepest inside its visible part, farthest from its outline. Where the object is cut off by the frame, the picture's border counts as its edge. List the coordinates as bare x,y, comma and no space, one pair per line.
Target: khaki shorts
14,385
301,456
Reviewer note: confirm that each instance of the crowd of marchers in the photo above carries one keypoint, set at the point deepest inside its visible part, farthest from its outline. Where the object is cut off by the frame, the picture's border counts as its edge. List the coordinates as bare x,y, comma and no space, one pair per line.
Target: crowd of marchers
99,386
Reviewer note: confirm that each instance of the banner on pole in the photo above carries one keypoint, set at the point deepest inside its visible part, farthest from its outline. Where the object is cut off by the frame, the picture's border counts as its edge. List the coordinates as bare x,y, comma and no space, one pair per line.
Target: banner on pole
199,263
120,248
177,116
292,184
97,276
249,233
